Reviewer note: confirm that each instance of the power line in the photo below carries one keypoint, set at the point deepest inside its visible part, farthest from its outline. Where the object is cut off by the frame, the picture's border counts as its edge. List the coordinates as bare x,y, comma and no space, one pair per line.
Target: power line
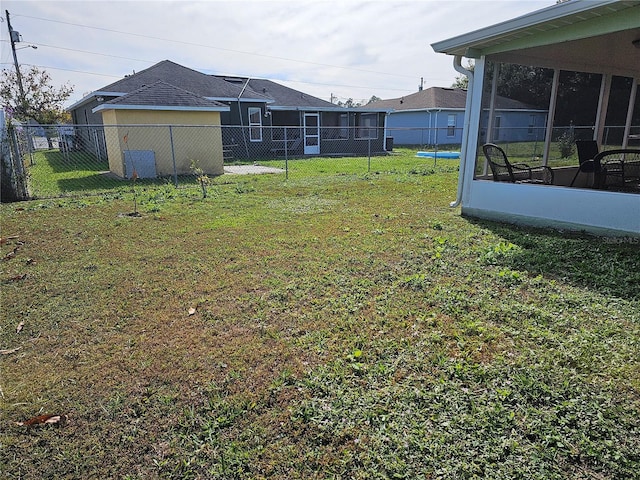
90,53
274,57
65,70
287,81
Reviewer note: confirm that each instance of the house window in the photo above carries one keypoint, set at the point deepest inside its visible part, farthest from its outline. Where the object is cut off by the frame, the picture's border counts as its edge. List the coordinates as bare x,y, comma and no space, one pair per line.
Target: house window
451,125
367,124
255,124
532,124
335,126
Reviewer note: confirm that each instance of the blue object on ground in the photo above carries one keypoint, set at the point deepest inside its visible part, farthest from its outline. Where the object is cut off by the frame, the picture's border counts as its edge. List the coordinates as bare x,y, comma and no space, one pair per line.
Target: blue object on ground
438,154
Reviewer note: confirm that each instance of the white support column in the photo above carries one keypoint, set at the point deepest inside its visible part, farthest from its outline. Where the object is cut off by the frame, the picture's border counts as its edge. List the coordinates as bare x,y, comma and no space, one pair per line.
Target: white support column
473,112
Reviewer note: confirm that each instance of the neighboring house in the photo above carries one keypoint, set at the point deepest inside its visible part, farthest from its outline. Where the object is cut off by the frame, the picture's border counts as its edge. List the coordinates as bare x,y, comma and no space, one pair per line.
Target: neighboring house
435,116
593,36
260,115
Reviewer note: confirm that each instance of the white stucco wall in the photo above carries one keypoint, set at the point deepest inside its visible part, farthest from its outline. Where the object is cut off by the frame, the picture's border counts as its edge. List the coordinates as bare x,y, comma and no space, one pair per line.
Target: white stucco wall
595,211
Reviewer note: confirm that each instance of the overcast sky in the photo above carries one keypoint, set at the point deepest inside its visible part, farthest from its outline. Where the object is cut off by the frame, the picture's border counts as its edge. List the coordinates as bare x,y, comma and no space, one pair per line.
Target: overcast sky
348,48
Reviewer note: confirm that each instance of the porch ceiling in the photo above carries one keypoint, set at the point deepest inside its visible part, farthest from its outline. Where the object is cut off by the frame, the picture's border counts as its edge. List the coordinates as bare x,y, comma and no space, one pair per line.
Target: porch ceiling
610,53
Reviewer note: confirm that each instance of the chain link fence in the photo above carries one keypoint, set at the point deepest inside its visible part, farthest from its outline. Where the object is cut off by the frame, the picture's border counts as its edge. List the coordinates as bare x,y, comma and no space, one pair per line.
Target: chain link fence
72,160
55,161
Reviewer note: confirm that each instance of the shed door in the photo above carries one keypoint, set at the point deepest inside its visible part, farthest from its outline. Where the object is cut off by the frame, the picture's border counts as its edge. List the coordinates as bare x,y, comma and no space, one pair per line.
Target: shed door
311,133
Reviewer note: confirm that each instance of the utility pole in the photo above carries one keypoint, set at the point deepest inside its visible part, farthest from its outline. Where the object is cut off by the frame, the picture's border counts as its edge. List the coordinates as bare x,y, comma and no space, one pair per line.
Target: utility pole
15,38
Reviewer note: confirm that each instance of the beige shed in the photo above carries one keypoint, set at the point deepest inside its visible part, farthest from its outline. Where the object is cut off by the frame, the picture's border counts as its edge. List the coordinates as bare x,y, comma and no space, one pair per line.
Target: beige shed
160,129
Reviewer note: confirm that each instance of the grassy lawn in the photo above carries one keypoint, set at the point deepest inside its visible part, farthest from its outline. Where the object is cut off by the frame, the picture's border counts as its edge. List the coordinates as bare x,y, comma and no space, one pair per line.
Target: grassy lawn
54,174
324,327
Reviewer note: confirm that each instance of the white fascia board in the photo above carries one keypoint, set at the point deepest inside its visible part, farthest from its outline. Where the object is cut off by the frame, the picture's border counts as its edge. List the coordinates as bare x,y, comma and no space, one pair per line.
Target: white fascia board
159,108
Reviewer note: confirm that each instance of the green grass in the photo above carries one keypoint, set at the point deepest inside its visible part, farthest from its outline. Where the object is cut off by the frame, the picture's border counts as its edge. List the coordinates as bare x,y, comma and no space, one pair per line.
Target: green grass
55,174
345,326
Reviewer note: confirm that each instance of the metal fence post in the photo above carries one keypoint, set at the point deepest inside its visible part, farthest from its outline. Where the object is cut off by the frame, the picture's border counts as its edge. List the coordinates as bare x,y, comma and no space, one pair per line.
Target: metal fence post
286,156
369,154
30,145
173,157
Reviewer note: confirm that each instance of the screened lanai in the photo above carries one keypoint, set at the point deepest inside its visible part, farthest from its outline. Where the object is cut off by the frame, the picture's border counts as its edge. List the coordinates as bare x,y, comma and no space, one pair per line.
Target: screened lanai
596,42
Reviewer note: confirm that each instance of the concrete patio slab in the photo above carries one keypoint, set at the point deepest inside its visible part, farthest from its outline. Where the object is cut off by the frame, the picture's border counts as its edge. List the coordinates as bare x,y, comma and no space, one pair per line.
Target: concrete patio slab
250,169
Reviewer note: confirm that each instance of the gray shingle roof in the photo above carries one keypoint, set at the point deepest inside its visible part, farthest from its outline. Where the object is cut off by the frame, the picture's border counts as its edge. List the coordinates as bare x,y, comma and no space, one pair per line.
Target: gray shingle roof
286,97
162,94
216,86
439,97
170,72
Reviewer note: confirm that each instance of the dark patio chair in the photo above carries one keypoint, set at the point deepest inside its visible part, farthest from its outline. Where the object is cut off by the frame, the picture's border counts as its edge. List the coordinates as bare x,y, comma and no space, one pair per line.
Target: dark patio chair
589,161
587,151
504,171
622,166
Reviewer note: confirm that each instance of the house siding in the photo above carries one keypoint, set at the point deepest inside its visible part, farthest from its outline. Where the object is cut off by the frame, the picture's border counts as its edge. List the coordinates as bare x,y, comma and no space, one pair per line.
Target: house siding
430,127
425,127
90,135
